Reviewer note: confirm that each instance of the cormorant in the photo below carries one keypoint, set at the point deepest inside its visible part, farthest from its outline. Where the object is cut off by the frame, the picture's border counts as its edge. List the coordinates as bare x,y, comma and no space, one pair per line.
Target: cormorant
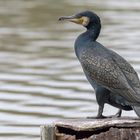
114,80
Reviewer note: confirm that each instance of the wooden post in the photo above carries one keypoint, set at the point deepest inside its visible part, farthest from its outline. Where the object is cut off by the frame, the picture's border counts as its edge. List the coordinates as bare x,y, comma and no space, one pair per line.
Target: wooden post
47,132
93,129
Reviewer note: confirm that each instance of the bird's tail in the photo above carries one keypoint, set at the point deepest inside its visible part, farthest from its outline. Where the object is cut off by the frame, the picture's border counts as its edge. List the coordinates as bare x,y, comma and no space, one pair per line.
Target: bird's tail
137,110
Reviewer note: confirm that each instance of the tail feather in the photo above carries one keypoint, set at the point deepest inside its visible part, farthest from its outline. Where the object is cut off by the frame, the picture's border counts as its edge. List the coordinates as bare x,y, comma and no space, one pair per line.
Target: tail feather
137,110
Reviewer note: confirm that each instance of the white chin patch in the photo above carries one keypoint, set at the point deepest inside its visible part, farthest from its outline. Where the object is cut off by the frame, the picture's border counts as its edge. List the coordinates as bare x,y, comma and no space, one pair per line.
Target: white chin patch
85,21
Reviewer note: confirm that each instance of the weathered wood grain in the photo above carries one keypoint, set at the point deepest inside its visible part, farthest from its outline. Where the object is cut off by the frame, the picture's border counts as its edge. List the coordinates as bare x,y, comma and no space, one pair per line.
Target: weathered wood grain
92,129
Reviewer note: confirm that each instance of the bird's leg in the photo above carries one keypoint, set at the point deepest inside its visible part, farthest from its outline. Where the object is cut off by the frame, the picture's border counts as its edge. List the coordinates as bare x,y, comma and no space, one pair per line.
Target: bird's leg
99,115
100,112
119,113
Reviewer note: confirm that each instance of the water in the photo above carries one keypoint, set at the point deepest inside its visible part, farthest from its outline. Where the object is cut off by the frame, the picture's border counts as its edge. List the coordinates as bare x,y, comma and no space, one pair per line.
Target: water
40,76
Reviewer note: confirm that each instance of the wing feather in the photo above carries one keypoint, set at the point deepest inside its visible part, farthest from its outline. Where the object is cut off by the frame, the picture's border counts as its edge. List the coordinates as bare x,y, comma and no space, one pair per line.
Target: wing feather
112,72
128,71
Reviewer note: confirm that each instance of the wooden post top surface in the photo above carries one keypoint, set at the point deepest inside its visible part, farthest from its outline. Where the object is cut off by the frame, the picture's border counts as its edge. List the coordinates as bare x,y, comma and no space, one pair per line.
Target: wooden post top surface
89,128
83,124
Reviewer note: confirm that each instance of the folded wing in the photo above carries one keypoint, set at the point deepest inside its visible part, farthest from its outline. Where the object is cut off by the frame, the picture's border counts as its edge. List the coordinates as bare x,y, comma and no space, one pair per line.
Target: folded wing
112,72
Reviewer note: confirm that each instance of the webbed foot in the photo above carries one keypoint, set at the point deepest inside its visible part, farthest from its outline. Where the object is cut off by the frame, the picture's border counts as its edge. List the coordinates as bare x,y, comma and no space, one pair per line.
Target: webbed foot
118,114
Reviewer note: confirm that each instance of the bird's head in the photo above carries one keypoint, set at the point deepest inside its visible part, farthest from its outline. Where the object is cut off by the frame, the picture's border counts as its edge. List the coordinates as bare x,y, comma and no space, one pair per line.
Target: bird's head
87,18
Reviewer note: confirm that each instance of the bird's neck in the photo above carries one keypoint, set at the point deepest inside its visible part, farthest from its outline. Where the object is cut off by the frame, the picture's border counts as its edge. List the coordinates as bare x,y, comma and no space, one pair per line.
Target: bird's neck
93,32
84,40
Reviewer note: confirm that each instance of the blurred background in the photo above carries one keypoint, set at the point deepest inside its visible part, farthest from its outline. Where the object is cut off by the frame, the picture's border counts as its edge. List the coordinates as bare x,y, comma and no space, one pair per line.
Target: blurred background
40,76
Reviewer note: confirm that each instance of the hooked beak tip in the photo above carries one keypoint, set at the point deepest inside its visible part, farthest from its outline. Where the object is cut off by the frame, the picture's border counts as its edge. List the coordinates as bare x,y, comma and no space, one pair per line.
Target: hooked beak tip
61,18
66,18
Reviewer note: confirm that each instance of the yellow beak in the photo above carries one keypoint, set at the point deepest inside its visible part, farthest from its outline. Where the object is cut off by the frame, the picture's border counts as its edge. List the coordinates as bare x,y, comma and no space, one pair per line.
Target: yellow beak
82,20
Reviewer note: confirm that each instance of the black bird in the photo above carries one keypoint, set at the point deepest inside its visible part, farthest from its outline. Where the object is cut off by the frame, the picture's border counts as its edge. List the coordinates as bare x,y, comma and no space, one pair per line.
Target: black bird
114,80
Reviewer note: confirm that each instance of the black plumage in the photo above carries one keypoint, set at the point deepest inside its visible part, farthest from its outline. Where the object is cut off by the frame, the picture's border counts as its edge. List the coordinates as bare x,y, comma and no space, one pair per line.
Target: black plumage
113,78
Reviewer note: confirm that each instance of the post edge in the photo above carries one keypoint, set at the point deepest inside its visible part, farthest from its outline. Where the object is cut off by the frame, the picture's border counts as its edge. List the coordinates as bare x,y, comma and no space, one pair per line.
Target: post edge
47,132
